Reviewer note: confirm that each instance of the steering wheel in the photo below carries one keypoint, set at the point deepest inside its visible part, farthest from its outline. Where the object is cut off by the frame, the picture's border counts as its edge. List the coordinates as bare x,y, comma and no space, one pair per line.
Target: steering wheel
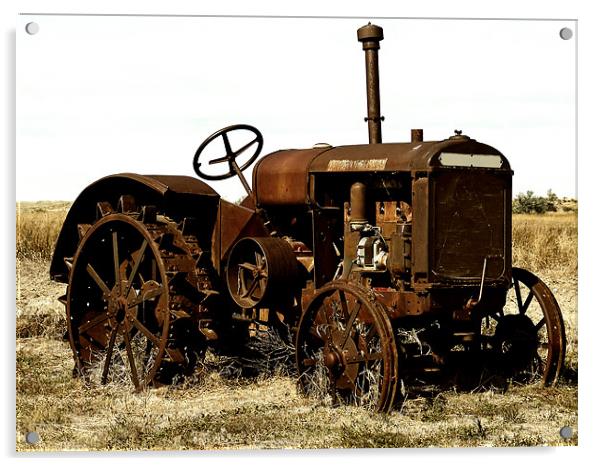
230,157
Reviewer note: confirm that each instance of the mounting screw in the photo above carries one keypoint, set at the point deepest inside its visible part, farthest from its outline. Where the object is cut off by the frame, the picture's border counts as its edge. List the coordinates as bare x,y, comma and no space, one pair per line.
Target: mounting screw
566,33
32,28
566,432
32,438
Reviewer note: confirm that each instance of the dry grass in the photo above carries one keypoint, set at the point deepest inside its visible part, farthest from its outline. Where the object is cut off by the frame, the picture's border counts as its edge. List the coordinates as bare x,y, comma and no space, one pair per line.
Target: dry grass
213,411
38,226
546,242
223,413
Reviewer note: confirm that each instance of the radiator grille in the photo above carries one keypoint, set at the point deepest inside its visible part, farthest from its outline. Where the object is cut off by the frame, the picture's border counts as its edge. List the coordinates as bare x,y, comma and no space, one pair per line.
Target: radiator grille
469,225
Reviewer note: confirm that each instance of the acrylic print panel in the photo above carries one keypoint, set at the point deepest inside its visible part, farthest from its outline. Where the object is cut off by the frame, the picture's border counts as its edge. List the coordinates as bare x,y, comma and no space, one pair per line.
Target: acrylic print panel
160,342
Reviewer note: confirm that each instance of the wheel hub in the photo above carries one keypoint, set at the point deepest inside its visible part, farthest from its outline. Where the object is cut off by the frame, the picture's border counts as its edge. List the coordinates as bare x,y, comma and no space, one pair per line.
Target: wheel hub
333,360
516,338
118,306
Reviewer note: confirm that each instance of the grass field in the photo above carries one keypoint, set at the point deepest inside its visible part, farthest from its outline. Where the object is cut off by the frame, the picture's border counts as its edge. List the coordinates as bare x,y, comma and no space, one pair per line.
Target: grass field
217,412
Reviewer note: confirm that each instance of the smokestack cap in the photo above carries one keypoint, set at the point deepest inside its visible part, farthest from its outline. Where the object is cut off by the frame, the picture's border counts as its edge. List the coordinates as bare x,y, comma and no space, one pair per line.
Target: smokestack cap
370,35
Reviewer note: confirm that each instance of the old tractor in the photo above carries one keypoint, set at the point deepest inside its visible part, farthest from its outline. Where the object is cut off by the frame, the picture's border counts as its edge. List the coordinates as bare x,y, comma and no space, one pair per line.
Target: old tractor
388,263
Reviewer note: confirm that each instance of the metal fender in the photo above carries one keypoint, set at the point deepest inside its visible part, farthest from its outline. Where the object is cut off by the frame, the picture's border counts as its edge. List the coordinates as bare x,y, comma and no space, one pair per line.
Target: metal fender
175,196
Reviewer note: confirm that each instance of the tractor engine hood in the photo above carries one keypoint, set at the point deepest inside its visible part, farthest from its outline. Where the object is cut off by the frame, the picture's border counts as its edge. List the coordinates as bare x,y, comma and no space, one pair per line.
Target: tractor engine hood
284,177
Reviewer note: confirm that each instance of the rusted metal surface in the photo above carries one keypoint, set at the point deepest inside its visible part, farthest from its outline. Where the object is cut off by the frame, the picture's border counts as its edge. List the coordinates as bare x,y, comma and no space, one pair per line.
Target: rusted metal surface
282,178
418,156
263,272
417,135
236,222
370,35
359,214
367,252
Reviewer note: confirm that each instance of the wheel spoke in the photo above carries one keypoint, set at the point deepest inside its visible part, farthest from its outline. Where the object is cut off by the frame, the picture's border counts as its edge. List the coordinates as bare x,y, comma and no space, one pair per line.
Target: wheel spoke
137,263
365,358
146,332
225,158
244,148
99,281
99,319
540,324
527,302
343,301
519,298
227,144
116,260
262,284
105,370
349,326
252,288
174,355
128,349
247,266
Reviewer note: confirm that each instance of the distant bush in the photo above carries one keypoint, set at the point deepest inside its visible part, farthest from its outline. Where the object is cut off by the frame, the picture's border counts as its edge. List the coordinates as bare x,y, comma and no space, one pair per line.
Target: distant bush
528,203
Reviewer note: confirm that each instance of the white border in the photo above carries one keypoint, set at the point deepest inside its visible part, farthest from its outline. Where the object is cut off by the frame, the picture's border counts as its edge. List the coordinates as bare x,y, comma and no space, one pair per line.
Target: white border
588,35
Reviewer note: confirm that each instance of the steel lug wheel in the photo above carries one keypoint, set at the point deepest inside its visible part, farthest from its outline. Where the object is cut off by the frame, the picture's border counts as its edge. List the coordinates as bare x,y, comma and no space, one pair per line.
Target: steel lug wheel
136,293
528,335
345,347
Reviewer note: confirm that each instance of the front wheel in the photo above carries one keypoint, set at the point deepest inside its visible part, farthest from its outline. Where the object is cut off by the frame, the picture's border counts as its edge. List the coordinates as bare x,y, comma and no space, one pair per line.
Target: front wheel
346,348
528,338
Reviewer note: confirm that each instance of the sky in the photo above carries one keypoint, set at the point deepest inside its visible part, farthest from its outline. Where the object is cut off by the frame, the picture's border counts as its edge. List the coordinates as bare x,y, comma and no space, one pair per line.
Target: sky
98,95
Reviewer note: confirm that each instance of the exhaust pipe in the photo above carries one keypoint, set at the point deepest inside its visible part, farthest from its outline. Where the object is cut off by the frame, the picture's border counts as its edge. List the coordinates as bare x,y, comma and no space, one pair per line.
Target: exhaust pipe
370,35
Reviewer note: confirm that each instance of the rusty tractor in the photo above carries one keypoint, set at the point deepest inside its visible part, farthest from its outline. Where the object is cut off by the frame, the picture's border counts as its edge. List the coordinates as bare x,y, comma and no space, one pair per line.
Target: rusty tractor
388,263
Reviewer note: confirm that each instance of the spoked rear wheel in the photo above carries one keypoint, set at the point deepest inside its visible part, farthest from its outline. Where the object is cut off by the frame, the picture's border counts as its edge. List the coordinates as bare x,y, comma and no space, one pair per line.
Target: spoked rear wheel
345,348
528,335
117,306
135,293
